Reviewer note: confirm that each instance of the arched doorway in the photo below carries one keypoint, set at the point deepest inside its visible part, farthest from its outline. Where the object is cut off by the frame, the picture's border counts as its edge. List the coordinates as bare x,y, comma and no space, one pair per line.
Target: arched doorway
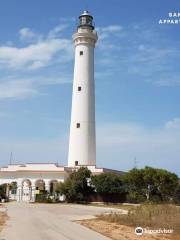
13,190
40,186
40,192
53,187
26,190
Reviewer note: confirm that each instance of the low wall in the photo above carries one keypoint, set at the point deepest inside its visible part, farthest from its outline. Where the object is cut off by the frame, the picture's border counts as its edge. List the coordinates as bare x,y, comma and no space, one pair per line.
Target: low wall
107,198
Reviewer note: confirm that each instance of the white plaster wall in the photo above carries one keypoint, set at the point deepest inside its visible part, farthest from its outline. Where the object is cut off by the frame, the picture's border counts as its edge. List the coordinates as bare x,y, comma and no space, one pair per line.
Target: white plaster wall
20,176
82,142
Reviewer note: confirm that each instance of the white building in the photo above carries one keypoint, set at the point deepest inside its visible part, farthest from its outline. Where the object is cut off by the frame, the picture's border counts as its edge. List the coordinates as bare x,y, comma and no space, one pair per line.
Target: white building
30,178
33,177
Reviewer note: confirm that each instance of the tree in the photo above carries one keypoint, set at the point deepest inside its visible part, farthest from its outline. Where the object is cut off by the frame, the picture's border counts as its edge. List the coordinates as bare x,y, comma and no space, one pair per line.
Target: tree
176,195
135,186
151,184
76,188
166,183
134,180
3,191
108,183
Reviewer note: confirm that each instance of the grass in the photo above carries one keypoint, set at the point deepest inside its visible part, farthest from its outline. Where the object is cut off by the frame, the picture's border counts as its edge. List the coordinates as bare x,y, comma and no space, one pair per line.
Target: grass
150,215
118,206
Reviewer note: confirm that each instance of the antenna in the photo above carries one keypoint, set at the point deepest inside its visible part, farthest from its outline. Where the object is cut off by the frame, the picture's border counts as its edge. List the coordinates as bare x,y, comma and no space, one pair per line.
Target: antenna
135,162
11,158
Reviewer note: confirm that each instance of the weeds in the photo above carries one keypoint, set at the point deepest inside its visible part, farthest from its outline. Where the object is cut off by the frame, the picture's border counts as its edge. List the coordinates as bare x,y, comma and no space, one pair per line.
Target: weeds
150,215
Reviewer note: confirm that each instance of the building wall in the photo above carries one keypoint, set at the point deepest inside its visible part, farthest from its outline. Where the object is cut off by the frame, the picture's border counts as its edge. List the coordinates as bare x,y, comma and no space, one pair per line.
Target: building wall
26,177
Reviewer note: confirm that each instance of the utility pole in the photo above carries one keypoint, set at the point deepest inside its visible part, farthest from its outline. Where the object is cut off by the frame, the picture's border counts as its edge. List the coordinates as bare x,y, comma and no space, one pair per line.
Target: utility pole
11,158
135,162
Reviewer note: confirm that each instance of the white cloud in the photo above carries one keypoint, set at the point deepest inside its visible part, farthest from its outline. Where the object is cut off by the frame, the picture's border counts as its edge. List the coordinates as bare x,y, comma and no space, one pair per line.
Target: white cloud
173,124
108,31
28,35
169,80
58,29
41,50
111,28
20,88
16,89
128,52
35,55
139,52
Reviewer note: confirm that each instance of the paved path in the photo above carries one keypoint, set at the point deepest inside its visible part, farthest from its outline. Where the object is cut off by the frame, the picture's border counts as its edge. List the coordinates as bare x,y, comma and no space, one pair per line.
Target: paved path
49,222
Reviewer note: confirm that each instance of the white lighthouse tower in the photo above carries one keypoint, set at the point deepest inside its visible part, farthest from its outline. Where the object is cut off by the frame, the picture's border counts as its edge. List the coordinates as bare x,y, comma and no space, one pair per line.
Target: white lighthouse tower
82,142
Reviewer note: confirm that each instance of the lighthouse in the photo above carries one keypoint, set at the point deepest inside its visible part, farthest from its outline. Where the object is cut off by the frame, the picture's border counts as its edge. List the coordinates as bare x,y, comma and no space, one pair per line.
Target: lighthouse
82,140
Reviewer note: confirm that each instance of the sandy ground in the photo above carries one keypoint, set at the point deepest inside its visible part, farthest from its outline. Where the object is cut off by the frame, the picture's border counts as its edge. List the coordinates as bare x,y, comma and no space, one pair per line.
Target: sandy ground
50,222
3,217
119,232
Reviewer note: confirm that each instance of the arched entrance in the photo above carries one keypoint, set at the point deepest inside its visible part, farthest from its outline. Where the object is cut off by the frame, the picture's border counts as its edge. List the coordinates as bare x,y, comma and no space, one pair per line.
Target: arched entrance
53,187
26,190
13,190
40,192
40,185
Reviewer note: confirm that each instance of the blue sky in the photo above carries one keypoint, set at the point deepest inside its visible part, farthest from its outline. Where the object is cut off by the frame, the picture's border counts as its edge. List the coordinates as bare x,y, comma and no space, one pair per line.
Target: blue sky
137,77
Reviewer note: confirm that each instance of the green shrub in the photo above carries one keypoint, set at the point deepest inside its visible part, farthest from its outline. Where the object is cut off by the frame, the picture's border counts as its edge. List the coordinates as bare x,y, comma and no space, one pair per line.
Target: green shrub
3,191
108,183
43,198
135,197
76,188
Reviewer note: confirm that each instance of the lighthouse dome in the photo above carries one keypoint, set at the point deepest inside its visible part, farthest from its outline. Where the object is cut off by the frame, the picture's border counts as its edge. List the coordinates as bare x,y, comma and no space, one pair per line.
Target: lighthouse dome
86,20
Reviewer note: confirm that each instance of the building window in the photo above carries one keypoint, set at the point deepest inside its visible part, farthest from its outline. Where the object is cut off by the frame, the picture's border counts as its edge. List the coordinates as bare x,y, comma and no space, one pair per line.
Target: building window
76,163
79,88
78,125
81,53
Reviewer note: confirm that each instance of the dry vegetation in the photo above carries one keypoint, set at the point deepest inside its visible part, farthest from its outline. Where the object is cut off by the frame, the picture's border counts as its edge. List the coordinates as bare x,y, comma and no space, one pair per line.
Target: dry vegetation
3,218
123,206
154,216
118,226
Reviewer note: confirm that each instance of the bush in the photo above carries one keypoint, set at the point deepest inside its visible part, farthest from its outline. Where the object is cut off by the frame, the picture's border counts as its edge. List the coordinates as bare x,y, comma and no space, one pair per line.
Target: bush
108,183
76,188
3,191
43,197
135,197
156,199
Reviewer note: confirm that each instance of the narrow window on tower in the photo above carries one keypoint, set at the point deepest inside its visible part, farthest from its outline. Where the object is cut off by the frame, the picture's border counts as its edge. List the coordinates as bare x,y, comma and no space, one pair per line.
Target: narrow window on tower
76,163
79,89
78,125
81,53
